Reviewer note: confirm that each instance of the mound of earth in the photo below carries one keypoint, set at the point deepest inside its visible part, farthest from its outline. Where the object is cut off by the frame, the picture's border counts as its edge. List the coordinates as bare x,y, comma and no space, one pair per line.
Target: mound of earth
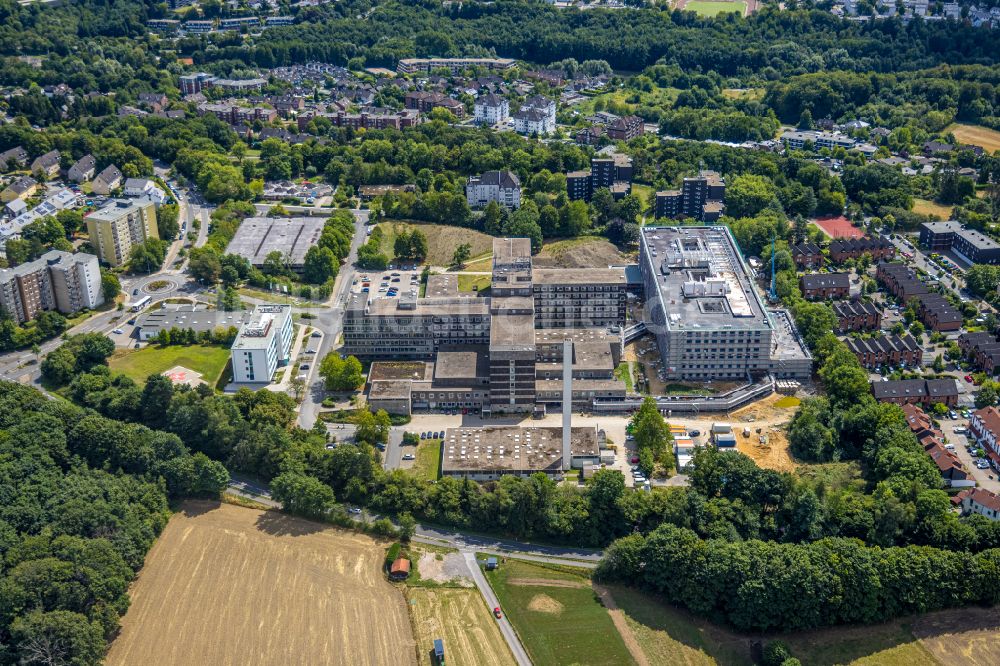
543,603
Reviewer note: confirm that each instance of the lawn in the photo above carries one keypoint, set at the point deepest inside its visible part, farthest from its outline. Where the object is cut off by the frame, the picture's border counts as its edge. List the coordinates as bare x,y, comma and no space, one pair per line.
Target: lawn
709,8
209,360
669,635
562,622
645,194
428,462
473,282
925,207
985,138
624,373
441,240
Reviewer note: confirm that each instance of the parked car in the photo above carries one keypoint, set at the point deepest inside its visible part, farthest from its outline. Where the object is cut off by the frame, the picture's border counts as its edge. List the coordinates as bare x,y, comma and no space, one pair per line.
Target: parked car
634,459
409,456
694,433
968,378
952,415
354,510
303,366
316,334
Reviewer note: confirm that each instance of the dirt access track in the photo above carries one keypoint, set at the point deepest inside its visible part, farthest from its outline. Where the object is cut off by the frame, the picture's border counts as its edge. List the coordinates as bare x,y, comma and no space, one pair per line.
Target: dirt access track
229,586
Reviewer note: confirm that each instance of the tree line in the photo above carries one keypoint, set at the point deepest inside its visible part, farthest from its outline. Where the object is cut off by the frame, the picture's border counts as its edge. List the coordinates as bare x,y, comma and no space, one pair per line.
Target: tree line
84,497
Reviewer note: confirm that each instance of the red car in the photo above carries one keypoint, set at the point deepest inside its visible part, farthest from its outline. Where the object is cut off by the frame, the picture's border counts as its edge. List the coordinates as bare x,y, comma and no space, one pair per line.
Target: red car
634,459
497,613
968,378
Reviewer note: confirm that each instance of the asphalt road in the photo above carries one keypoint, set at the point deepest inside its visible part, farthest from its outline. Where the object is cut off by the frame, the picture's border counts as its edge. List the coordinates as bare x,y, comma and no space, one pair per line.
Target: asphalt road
331,321
491,600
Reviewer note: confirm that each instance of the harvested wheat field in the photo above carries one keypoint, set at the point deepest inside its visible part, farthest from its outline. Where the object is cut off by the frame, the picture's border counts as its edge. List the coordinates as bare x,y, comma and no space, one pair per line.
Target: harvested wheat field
460,618
225,585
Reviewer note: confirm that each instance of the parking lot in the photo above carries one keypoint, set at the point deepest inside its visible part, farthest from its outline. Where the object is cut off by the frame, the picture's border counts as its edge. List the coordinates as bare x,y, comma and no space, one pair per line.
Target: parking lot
390,283
961,442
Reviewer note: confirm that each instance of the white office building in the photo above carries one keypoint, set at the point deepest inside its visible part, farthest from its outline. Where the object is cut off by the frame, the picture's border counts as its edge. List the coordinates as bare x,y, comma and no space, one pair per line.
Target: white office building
263,345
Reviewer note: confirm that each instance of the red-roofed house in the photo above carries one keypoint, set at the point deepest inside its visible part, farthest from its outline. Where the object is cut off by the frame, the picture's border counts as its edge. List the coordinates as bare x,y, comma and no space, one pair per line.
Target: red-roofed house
985,428
977,500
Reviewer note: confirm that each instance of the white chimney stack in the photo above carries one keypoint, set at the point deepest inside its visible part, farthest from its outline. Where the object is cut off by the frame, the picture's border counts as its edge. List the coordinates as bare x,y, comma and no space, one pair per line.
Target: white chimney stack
567,403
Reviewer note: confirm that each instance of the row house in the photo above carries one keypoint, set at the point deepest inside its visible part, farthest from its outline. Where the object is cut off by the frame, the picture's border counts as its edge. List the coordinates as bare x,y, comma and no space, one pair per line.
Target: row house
887,350
857,316
984,426
917,391
880,249
953,472
807,255
900,280
938,313
978,500
983,349
817,286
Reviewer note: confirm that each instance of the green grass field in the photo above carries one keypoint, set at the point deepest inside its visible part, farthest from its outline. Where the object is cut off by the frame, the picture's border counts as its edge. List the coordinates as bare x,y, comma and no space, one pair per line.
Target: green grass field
428,462
624,373
210,361
560,624
441,240
710,8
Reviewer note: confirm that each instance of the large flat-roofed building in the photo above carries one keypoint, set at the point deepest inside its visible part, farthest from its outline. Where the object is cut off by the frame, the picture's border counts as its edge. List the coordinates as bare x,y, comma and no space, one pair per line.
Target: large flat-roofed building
579,297
493,352
974,245
708,319
413,328
197,318
263,344
455,65
257,237
489,452
55,281
122,224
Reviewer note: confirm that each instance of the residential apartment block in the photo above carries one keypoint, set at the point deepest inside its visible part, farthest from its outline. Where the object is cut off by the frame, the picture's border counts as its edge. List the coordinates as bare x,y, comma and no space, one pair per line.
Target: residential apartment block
119,226
491,109
700,197
613,172
425,102
55,281
263,345
625,128
504,187
537,116
455,65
